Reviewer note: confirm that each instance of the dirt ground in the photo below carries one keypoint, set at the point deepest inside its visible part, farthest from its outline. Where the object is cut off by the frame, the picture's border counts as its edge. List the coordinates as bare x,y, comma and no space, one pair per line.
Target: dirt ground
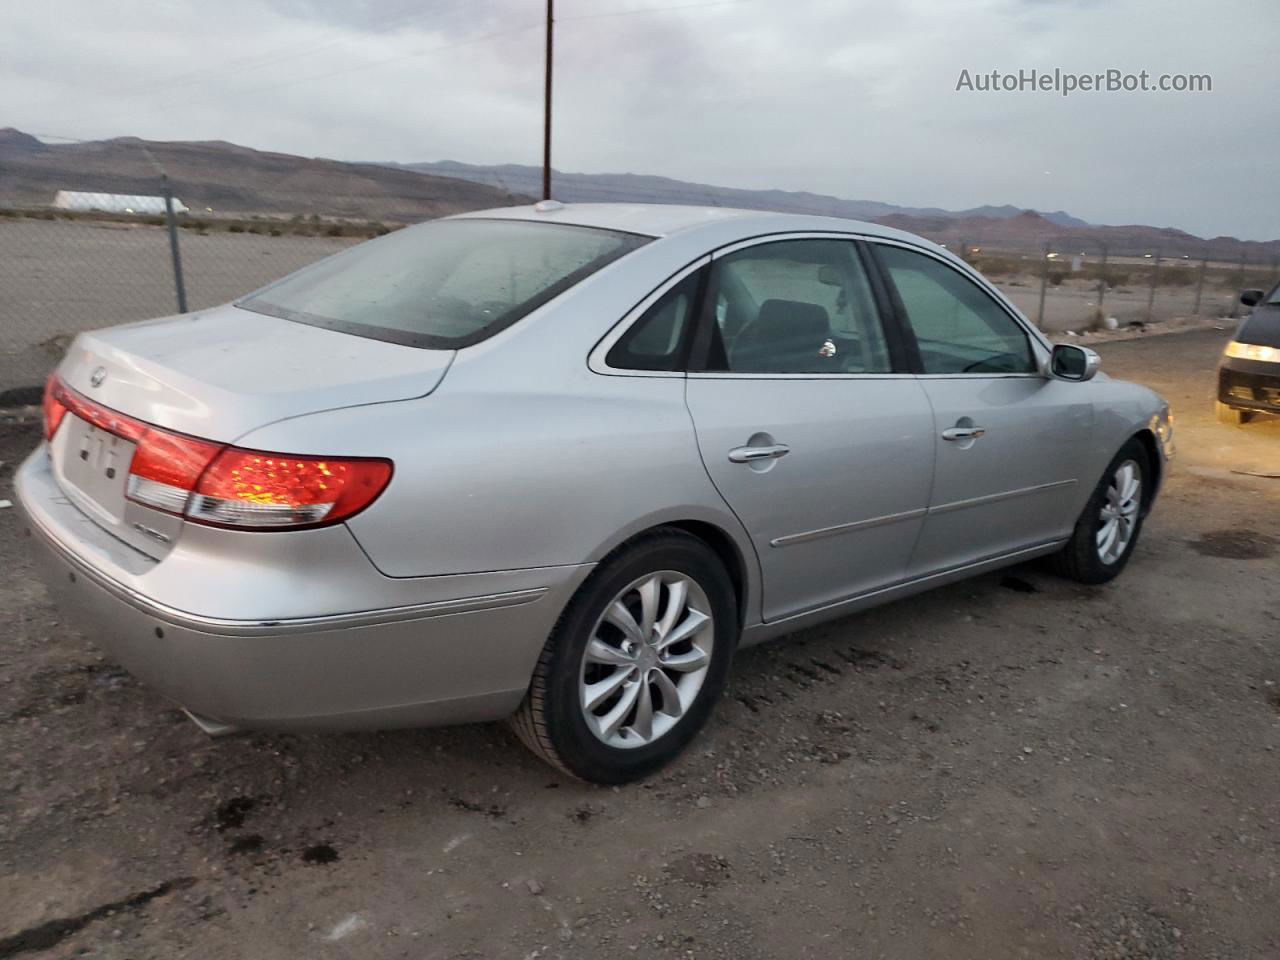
1013,767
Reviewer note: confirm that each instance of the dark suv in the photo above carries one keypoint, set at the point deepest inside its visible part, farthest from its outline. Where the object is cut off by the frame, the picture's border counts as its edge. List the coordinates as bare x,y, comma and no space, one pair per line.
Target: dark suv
1249,376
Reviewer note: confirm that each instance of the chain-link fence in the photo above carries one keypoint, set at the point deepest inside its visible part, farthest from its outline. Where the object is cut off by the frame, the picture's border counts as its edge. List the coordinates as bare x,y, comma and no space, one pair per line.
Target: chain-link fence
60,275
1082,285
71,262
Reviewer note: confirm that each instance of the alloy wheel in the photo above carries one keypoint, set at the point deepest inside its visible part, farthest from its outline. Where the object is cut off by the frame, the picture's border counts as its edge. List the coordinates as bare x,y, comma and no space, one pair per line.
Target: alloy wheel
1118,517
646,659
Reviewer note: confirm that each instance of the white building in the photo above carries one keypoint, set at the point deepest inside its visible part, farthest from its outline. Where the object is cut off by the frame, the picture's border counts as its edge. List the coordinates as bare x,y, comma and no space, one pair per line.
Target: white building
113,202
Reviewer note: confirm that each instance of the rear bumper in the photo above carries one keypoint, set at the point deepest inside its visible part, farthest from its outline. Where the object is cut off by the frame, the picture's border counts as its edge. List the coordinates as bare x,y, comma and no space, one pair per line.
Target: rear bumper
1249,385
456,659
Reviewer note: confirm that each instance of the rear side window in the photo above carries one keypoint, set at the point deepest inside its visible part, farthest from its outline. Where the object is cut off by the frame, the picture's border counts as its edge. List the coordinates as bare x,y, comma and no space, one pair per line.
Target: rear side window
656,341
444,284
958,327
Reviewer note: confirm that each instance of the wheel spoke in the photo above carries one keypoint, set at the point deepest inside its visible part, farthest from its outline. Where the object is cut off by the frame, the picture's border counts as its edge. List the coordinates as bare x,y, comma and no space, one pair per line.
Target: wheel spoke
671,704
649,592
621,617
638,676
694,659
677,594
612,720
1107,539
643,722
594,694
600,652
694,621
1131,487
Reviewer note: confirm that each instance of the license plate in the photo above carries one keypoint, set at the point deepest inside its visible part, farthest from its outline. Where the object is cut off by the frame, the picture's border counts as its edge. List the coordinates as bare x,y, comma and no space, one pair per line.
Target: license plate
96,464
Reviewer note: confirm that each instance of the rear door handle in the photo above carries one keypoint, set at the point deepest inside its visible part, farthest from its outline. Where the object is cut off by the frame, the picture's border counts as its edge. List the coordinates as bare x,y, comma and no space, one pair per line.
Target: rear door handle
749,454
963,433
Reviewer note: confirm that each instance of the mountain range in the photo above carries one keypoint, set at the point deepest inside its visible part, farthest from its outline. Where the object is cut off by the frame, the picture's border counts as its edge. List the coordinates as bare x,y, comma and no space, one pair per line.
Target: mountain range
631,187
234,180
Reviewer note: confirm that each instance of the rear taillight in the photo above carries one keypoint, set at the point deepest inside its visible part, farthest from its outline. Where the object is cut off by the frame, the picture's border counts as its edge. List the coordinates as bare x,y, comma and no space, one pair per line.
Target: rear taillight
226,486
54,408
248,488
166,468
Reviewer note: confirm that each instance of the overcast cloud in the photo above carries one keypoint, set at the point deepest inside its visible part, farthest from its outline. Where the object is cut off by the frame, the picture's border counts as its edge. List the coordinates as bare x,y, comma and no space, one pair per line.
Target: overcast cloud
854,98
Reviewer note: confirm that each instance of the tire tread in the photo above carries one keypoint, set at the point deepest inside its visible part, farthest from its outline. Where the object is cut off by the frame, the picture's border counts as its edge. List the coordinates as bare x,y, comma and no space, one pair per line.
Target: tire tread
529,722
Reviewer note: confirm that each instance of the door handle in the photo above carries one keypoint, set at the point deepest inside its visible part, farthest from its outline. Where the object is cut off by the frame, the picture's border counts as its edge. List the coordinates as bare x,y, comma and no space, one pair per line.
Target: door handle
963,433
750,454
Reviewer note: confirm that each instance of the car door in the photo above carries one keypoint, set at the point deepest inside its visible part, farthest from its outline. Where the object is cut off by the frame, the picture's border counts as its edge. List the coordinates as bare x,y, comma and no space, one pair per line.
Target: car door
818,441
1009,441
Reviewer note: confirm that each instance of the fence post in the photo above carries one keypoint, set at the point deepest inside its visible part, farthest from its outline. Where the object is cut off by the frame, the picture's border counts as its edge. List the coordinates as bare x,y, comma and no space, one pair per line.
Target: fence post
1204,266
1044,282
1235,296
1151,295
179,286
1102,284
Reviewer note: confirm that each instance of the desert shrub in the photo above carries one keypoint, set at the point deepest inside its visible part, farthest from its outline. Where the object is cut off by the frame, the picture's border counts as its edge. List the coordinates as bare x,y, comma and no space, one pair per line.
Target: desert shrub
236,228
1175,277
275,232
335,230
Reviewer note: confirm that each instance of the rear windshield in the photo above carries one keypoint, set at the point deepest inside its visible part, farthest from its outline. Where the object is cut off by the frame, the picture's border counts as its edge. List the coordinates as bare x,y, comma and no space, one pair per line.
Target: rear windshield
444,284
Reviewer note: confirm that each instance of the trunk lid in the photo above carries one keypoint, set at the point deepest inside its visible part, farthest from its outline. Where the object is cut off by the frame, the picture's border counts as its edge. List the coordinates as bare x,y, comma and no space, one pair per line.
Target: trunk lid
217,374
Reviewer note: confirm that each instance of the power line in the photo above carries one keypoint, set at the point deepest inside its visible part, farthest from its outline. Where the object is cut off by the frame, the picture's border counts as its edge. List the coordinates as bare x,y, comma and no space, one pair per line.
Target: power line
275,56
628,13
257,89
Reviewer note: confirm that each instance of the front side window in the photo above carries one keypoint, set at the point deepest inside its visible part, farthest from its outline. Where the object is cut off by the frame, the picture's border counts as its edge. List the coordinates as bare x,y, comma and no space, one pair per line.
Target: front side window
794,306
443,284
958,327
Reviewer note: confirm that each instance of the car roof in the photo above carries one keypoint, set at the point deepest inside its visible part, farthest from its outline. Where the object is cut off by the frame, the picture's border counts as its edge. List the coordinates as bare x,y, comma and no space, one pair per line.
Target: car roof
665,219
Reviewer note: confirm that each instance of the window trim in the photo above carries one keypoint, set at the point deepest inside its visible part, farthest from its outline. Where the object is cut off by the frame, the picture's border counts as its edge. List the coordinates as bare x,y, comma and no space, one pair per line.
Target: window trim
597,360
1041,348
888,322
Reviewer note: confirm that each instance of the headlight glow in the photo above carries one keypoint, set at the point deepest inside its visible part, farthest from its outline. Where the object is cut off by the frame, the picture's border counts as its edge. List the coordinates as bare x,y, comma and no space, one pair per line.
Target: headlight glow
1253,351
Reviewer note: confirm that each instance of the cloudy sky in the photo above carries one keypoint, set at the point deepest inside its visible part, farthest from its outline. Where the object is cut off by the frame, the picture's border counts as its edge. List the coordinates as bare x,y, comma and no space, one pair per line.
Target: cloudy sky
851,97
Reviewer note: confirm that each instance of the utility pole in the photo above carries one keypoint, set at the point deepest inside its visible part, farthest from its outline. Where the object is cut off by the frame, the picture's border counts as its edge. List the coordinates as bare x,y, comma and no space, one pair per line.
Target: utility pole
546,110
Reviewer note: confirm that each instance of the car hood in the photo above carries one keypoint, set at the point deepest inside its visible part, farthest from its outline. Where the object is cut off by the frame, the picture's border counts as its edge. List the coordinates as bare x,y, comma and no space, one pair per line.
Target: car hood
1261,327
220,373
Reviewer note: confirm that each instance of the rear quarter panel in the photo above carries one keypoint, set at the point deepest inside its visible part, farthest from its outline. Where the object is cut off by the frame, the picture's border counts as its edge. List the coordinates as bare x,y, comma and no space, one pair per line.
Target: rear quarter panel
493,475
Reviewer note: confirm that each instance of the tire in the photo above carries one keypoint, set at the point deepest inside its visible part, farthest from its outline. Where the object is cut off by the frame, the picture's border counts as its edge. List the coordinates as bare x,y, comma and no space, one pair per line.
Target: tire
1230,414
1083,558
555,720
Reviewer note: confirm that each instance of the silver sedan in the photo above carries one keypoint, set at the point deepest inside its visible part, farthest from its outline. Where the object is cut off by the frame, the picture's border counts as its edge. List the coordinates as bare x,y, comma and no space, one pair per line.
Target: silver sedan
557,463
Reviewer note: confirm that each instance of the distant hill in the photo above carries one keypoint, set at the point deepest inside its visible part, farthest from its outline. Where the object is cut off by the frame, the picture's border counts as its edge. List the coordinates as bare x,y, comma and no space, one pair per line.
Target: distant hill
637,188
233,179
1005,228
236,180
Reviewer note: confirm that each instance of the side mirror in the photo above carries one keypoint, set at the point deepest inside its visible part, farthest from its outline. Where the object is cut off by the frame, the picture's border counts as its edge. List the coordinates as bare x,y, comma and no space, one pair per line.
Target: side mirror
1251,297
1070,362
